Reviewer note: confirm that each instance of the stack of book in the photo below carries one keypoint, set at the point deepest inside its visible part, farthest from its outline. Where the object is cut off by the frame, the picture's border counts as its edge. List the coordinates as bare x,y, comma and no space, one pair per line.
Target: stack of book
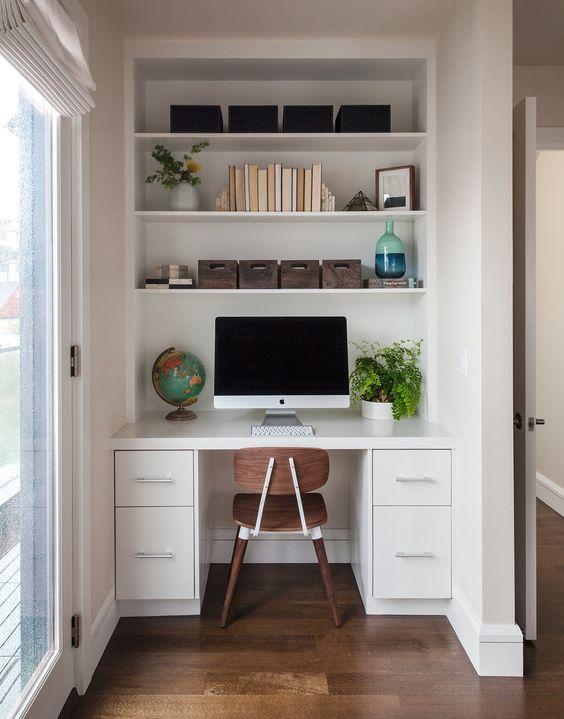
169,277
275,189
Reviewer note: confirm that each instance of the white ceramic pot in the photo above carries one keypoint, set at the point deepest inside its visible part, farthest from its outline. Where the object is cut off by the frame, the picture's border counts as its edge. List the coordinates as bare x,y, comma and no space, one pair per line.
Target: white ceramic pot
184,197
377,410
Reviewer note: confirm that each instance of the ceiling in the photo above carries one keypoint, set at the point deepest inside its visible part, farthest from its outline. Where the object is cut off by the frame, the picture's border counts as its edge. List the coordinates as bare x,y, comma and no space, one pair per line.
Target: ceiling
284,18
538,32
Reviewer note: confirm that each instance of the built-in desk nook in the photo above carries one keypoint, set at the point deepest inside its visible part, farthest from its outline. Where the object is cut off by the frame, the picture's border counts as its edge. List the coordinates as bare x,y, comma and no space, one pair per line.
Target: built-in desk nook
174,488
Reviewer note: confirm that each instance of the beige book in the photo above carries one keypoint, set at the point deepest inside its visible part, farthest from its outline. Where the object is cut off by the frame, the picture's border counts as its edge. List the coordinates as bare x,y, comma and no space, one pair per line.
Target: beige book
286,189
262,191
307,190
316,188
278,187
300,198
232,195
271,188
253,188
240,189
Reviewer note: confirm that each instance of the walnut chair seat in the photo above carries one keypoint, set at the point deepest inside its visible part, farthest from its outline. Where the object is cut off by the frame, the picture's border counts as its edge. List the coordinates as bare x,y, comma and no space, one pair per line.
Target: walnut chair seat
281,512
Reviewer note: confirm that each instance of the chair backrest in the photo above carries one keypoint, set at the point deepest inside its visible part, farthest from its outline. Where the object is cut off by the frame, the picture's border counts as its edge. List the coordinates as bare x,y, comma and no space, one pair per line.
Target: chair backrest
250,465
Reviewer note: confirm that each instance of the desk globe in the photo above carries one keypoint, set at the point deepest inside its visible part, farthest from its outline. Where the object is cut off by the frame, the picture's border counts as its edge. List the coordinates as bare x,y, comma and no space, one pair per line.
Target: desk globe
178,378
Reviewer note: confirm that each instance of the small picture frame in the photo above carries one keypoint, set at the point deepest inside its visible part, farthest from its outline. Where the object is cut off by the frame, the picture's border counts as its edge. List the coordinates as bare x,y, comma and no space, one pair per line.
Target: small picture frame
394,188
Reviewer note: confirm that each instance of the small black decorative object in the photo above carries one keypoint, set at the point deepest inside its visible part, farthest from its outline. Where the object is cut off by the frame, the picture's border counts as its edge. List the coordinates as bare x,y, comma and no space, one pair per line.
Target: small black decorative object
359,203
196,118
253,118
363,118
308,118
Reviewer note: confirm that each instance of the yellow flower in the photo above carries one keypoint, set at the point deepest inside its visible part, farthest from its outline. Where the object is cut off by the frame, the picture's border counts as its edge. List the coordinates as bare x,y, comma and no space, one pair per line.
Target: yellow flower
193,166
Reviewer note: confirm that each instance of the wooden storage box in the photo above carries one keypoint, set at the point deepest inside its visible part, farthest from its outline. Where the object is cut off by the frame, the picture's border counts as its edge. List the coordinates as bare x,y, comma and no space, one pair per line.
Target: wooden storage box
217,274
299,274
253,118
363,118
258,274
196,118
307,118
341,274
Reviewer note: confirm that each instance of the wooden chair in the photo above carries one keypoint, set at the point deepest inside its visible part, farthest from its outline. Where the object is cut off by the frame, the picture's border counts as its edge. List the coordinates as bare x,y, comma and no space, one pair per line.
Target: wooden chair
279,480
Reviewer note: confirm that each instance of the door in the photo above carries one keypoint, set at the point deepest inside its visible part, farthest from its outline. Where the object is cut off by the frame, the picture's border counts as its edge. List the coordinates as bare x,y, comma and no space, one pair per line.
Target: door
524,378
36,672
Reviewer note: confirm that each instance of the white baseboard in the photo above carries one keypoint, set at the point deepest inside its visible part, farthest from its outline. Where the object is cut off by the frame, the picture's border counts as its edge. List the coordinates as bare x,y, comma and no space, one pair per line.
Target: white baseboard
270,547
495,650
101,630
550,493
159,607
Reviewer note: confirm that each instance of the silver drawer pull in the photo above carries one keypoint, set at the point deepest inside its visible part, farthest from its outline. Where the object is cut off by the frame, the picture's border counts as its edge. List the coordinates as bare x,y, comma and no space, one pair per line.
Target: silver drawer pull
414,479
154,555
400,553
157,480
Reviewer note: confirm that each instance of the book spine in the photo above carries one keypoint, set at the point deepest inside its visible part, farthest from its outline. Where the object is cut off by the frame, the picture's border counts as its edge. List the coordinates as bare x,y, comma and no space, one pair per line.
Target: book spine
294,189
271,189
300,200
307,190
286,189
232,202
278,187
240,189
316,188
253,188
262,191
247,195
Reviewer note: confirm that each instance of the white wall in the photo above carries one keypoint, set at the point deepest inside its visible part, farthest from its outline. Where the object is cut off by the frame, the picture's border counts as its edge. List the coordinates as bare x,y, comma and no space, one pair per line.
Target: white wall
546,83
106,273
550,300
474,295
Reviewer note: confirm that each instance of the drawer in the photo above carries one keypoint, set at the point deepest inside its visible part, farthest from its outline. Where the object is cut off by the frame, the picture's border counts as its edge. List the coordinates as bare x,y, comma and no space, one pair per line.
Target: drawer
411,552
154,553
411,476
154,479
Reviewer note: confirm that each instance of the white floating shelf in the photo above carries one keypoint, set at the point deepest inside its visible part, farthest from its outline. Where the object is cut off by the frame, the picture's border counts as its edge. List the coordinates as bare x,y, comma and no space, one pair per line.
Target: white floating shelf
179,216
285,141
358,291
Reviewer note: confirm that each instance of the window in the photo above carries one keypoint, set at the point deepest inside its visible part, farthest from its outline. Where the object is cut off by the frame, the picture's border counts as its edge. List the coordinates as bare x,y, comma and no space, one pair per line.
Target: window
27,456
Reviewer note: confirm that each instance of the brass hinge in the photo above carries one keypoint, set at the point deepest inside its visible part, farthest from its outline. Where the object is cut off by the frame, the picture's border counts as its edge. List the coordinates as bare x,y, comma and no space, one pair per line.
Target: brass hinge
74,361
75,631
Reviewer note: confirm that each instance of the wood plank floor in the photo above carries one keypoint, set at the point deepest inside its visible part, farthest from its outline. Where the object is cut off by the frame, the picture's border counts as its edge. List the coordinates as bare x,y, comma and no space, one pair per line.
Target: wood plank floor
282,657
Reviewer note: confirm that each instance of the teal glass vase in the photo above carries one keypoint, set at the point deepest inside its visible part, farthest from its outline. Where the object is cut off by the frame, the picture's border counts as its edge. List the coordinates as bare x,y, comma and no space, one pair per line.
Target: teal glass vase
390,254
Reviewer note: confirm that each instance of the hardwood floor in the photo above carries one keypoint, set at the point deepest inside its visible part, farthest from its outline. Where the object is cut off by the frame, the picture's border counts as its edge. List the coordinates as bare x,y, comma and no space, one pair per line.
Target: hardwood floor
281,656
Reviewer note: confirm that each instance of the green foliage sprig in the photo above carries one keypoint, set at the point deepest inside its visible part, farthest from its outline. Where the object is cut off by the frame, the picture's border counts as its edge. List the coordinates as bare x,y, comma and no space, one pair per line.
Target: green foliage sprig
388,374
173,171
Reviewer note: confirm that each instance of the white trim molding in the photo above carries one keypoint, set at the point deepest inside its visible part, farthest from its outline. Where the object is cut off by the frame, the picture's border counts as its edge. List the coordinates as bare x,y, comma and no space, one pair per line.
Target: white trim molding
270,547
550,493
495,650
101,630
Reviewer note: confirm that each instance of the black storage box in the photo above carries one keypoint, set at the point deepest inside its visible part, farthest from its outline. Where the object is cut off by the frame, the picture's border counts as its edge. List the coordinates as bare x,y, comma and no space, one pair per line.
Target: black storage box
253,118
308,118
363,118
196,118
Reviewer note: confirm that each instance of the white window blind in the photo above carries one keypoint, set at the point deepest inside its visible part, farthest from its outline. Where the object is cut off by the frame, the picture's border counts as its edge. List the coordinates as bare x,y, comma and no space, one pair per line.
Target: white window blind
42,42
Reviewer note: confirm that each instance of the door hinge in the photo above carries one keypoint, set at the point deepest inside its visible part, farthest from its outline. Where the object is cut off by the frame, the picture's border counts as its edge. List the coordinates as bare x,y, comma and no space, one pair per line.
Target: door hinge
74,361
75,631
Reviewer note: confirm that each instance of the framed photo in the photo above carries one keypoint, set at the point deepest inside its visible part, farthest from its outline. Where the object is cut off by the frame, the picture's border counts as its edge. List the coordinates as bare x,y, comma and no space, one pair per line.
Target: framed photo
394,188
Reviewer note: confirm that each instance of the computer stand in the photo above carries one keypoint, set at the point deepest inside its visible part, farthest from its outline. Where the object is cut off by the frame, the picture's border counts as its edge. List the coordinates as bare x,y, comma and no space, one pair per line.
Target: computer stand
281,418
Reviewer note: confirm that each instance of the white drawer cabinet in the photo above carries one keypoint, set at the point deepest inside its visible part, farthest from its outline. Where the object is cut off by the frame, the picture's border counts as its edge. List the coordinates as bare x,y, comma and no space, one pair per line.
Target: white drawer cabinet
411,552
154,478
411,477
154,553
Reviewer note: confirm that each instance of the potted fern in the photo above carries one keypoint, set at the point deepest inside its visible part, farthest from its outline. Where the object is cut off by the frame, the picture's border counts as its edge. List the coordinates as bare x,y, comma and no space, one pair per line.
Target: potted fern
179,176
387,379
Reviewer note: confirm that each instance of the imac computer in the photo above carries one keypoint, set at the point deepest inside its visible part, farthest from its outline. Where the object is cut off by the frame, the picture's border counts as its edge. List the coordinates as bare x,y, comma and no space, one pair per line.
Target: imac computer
281,364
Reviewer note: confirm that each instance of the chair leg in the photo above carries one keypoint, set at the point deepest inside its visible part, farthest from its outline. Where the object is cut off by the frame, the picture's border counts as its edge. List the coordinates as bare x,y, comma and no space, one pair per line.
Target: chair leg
233,552
326,575
238,556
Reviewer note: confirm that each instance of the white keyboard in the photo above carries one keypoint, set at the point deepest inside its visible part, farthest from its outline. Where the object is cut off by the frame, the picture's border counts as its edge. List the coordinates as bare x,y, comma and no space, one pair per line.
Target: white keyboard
288,430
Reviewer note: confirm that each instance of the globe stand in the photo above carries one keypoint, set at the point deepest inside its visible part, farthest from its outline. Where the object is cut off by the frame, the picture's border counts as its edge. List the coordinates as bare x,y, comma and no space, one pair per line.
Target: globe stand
182,414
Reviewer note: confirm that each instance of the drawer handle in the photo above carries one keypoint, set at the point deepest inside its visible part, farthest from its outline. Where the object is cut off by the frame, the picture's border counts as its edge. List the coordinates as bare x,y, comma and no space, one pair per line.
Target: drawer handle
400,553
154,555
157,480
405,480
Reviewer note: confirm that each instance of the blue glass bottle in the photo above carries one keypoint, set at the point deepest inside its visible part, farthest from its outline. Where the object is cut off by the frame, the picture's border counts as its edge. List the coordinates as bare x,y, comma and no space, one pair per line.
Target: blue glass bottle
390,254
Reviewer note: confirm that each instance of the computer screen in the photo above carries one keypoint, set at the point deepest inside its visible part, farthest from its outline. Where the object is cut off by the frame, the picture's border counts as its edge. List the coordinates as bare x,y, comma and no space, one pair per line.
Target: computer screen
281,361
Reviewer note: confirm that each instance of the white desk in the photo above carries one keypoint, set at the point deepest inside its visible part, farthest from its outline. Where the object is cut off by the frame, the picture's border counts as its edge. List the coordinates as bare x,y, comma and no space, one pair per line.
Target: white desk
400,495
